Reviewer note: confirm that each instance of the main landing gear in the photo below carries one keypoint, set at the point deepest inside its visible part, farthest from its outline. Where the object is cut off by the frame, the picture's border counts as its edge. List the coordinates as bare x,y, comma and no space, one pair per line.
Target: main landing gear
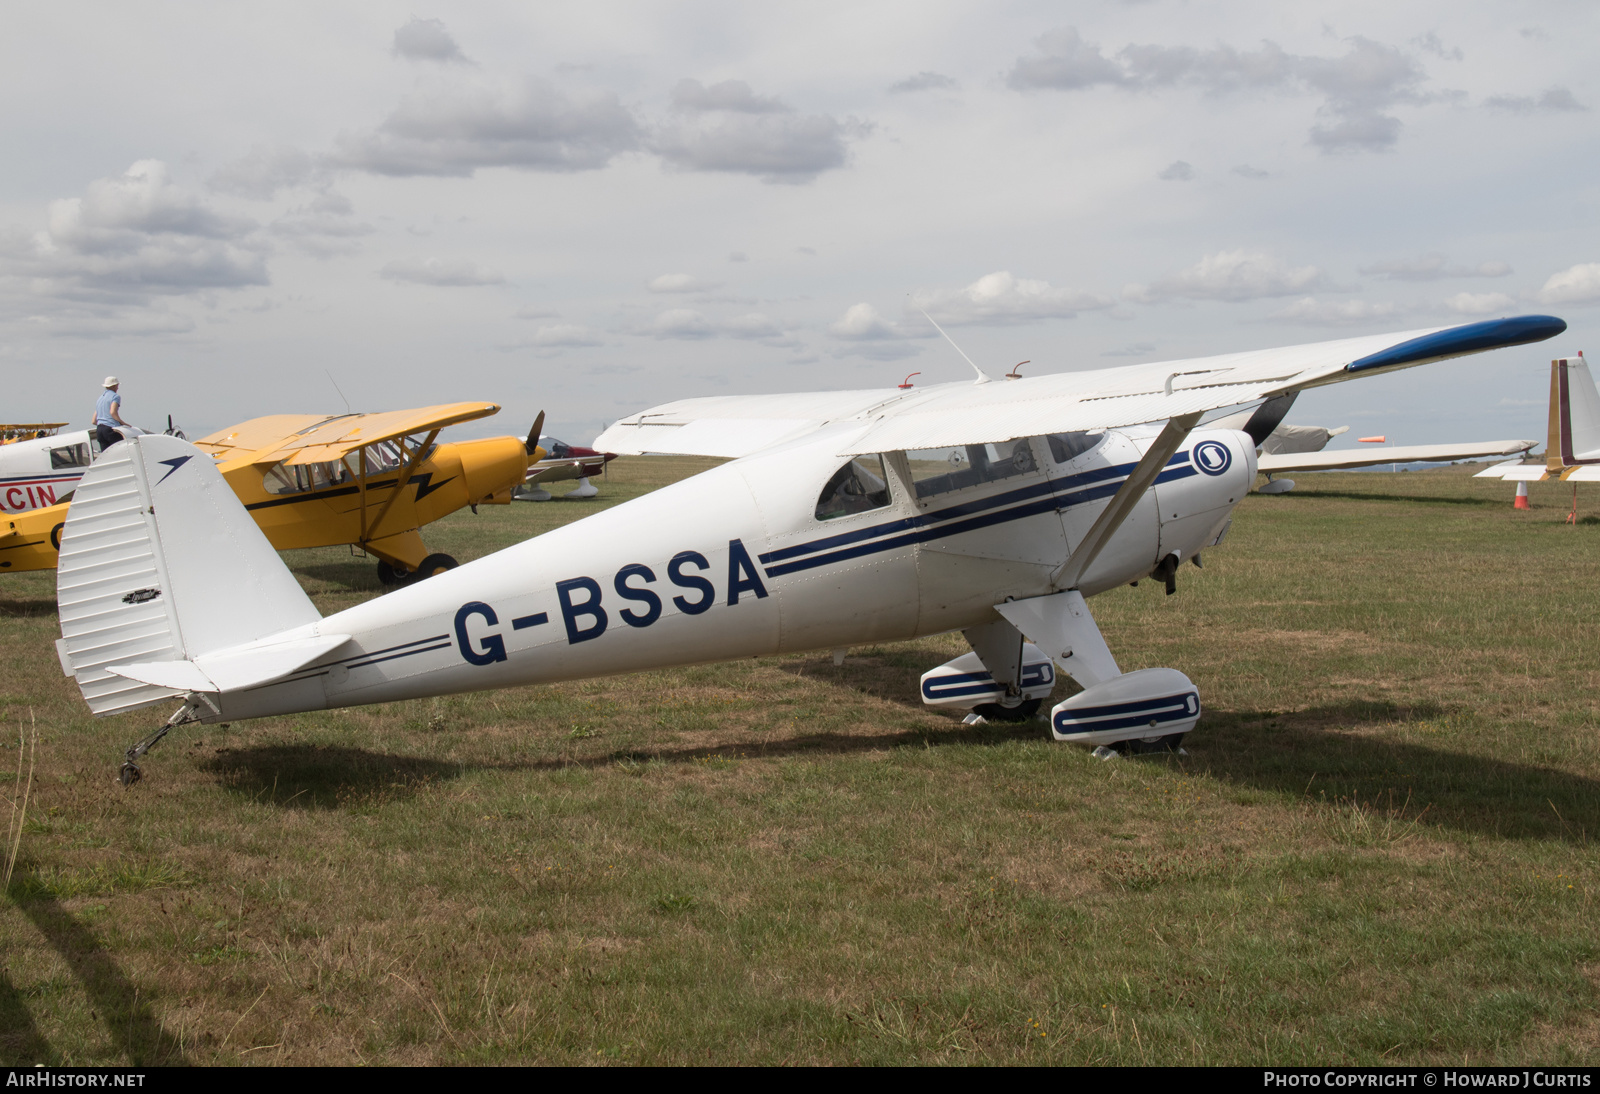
390,576
1006,678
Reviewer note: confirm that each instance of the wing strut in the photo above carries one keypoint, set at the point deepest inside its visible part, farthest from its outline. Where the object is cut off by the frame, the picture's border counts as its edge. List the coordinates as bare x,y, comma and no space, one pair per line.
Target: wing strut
1133,488
400,483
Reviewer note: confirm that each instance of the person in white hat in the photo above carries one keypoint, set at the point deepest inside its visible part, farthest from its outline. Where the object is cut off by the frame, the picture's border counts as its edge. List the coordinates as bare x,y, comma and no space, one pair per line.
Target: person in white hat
106,418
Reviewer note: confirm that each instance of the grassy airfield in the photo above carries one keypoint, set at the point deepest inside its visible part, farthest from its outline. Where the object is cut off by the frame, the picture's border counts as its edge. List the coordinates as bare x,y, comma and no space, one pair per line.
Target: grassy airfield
1380,848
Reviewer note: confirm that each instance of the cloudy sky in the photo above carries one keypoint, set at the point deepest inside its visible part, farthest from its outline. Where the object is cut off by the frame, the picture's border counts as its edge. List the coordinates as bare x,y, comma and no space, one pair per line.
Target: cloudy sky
592,208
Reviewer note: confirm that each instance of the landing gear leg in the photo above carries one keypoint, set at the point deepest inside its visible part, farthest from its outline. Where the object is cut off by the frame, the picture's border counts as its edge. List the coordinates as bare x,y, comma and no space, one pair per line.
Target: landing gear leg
130,772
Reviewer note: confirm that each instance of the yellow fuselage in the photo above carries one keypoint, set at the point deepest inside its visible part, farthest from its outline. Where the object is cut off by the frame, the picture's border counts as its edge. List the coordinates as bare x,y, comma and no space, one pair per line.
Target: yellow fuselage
372,516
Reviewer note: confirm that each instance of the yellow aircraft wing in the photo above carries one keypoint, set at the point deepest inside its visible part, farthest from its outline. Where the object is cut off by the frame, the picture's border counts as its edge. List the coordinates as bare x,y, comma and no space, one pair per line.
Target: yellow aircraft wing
269,433
321,438
333,440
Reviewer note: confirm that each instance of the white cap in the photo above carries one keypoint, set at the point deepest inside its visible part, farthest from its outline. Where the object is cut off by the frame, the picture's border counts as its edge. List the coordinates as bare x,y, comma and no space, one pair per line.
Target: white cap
111,381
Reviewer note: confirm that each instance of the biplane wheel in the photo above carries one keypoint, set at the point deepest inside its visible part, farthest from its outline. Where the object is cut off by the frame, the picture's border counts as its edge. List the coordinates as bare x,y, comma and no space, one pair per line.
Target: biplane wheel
390,576
994,712
434,564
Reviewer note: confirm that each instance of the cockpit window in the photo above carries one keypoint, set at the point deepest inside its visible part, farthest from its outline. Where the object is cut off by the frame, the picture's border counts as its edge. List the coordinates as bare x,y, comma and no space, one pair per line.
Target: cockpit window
303,477
856,487
73,455
940,470
1069,446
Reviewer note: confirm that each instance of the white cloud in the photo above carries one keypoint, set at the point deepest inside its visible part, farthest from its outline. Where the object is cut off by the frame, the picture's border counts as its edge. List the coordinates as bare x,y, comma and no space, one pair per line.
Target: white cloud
924,81
786,148
1176,171
427,40
1244,170
1577,285
567,334
1556,100
862,323
1355,88
688,324
260,174
323,227
456,129
1337,313
1431,267
682,323
680,282
754,325
1480,303
444,272
127,242
1003,298
1431,43
692,96
1234,276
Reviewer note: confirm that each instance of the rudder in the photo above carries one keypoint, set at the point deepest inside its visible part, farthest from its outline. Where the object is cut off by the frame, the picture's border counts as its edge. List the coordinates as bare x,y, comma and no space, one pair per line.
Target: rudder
160,562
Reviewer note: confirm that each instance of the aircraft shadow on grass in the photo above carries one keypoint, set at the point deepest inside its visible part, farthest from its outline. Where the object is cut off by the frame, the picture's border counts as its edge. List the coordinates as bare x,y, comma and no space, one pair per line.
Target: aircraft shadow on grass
132,1028
354,575
26,609
1316,755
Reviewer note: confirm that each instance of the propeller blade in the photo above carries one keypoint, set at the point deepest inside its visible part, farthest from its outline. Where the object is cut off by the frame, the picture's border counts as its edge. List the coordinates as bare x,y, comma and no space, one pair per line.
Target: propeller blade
533,434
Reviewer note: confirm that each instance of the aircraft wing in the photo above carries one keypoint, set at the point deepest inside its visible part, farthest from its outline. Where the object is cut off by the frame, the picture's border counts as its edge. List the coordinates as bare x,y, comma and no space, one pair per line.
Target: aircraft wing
1368,457
302,439
737,425
948,415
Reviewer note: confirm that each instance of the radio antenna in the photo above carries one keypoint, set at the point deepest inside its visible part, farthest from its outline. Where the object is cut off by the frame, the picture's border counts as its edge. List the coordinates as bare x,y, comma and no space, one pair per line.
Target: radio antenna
336,387
983,377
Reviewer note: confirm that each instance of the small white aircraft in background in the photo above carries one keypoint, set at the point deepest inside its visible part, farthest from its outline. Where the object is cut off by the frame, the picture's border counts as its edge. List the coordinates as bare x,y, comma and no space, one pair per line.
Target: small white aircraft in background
994,508
42,470
1300,448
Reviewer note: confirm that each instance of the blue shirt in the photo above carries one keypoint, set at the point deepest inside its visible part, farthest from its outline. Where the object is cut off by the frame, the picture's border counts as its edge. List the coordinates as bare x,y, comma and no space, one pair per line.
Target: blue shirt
103,405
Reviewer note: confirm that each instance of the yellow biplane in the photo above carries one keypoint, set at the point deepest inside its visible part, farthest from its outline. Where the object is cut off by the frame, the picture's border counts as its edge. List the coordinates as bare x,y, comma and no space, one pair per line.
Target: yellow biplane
371,480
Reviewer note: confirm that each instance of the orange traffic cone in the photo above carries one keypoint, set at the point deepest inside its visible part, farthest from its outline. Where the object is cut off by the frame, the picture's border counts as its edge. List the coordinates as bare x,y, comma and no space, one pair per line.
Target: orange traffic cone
1522,496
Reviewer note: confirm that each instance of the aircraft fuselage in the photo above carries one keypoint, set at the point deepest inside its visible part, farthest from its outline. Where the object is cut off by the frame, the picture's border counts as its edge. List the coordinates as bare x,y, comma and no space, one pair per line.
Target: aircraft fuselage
736,562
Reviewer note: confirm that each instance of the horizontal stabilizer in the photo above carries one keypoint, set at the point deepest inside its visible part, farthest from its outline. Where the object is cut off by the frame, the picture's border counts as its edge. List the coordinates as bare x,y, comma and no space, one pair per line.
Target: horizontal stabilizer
175,676
263,662
1515,472
1371,457
236,669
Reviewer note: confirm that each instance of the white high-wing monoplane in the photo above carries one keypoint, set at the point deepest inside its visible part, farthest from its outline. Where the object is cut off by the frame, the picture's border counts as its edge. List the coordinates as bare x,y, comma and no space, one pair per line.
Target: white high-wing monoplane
1300,448
994,508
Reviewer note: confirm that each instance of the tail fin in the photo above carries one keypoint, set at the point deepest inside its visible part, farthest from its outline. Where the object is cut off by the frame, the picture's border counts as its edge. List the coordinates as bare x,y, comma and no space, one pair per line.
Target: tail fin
160,563
1574,415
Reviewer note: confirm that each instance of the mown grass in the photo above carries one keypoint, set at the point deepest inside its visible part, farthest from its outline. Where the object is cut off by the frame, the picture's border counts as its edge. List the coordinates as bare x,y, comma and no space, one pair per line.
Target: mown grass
1380,847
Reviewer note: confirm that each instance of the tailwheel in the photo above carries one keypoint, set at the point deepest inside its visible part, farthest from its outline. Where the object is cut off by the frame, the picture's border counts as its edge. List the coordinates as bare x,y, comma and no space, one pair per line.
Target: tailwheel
994,712
434,565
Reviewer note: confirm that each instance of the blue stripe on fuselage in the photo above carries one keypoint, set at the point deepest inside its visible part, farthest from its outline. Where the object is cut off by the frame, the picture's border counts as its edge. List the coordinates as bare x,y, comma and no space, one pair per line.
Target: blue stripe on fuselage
979,513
